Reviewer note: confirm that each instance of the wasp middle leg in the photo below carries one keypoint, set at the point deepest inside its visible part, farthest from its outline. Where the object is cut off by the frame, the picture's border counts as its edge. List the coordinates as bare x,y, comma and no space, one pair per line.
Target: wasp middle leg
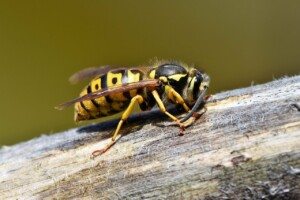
136,99
164,110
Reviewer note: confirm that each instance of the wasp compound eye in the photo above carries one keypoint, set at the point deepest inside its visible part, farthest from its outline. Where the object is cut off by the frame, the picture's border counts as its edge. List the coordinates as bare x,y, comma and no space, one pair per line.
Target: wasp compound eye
198,80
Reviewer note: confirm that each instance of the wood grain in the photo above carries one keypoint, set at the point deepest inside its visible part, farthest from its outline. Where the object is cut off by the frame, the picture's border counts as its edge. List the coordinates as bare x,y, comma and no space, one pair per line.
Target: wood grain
247,145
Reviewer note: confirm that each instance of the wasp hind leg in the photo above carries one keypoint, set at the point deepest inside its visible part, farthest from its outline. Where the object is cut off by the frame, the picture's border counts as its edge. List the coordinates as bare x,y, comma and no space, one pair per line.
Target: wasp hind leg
136,99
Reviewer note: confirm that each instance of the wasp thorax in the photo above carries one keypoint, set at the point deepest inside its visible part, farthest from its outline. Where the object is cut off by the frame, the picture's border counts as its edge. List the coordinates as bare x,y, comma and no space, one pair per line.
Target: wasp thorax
173,74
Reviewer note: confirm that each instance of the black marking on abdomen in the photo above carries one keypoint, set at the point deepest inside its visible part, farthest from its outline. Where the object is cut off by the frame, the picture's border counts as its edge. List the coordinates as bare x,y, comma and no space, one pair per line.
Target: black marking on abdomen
104,86
114,80
136,71
118,71
126,94
95,103
84,107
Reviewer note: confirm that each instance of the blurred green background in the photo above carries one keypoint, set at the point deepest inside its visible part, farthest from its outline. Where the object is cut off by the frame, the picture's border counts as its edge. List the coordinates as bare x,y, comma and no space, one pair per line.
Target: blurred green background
43,42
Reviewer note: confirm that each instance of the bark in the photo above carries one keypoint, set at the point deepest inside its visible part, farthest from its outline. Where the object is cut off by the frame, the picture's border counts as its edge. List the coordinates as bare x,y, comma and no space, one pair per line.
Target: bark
247,145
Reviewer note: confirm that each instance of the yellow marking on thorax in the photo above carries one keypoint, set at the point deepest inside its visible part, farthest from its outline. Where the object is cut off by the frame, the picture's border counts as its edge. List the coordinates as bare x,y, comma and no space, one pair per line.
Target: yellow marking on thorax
163,79
177,77
115,80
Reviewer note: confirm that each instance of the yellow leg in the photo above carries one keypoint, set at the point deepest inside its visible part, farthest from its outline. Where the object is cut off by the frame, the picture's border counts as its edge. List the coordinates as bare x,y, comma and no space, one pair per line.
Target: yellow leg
163,108
137,99
176,97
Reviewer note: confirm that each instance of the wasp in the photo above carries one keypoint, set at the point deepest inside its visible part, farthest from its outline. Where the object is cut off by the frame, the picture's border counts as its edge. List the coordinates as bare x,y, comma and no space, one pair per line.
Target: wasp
112,91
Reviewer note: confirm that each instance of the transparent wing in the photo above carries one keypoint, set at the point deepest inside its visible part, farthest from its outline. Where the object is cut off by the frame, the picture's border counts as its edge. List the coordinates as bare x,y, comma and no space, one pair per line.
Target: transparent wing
92,72
150,84
88,73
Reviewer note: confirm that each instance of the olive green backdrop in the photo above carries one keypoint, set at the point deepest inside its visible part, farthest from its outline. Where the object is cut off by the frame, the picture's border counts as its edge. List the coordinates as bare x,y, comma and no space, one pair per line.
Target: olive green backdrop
43,42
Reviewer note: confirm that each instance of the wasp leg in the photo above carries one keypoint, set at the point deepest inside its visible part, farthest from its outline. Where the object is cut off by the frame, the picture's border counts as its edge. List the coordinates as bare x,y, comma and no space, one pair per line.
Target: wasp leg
163,109
136,99
103,150
176,97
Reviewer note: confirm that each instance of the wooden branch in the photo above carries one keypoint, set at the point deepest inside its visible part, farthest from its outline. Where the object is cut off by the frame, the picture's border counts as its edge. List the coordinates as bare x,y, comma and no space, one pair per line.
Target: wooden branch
247,145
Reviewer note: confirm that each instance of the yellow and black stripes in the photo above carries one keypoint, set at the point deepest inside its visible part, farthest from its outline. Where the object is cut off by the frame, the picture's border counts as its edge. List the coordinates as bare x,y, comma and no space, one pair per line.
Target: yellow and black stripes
94,102
110,104
121,89
176,81
103,81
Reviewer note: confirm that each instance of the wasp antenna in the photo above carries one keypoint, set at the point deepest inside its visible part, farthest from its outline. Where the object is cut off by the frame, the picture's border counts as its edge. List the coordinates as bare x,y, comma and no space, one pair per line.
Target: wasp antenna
195,107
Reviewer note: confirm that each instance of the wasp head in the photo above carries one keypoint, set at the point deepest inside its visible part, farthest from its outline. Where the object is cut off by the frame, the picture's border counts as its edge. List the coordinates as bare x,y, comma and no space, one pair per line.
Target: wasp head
197,84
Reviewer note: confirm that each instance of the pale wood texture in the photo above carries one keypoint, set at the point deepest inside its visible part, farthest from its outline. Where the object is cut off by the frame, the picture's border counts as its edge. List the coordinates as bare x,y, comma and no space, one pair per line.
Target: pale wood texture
246,145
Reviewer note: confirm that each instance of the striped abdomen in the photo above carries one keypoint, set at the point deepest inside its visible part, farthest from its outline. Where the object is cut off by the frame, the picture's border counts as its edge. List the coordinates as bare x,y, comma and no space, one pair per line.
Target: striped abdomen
111,104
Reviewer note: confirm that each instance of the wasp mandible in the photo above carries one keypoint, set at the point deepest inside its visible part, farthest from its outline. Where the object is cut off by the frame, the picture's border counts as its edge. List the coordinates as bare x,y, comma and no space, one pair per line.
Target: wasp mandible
114,90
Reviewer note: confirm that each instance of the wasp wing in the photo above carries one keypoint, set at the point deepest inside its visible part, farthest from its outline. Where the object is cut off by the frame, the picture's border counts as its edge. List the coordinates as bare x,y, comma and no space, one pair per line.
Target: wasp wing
151,84
88,73
92,72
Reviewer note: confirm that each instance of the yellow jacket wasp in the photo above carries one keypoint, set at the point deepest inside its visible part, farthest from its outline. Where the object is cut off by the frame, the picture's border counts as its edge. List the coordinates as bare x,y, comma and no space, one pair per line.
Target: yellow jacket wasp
114,90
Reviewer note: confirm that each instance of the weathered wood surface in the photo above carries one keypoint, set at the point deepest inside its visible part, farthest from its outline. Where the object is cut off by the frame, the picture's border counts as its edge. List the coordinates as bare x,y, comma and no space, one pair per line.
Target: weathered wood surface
246,145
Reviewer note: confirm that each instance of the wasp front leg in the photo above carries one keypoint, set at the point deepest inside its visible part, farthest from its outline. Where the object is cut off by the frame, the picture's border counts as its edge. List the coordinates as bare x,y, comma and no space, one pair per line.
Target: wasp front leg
177,98
136,99
163,109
